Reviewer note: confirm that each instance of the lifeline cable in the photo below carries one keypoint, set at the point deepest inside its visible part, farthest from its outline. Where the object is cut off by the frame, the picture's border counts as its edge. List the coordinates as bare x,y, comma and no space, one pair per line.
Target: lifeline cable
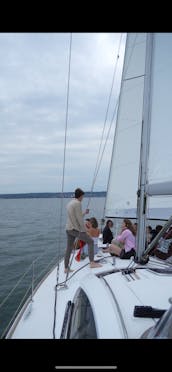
64,163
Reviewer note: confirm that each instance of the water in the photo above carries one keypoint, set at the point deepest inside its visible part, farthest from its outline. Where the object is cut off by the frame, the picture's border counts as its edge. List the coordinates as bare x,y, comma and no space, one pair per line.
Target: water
31,230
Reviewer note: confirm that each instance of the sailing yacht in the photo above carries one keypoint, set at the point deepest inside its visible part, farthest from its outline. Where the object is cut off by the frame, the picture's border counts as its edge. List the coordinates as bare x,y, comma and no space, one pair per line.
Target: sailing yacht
128,298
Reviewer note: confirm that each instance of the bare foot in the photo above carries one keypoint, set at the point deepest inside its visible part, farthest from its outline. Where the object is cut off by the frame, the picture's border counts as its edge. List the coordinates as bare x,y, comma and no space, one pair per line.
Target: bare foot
68,271
104,250
94,265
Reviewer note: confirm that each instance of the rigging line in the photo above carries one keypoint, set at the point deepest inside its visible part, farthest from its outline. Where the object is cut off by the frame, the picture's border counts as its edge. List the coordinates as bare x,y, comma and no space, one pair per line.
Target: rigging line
5,331
104,148
63,175
109,99
123,74
106,140
103,153
67,111
76,271
106,115
110,95
16,285
22,277
46,268
111,160
55,302
65,138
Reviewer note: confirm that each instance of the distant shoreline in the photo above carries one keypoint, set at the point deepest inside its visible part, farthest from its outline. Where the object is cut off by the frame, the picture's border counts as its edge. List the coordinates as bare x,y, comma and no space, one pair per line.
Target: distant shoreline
51,195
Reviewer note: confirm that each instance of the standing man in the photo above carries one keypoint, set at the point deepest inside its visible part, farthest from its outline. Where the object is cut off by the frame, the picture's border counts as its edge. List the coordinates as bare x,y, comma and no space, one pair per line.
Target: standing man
75,228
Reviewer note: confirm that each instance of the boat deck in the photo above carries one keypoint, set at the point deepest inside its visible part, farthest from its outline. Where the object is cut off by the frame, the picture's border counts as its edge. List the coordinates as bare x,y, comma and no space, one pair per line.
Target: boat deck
112,295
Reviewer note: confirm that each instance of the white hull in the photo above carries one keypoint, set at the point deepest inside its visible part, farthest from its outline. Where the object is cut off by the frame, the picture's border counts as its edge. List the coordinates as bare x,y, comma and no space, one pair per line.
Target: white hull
112,298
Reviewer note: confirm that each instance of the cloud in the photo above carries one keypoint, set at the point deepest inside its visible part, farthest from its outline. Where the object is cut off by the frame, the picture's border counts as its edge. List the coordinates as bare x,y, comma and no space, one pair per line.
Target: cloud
33,94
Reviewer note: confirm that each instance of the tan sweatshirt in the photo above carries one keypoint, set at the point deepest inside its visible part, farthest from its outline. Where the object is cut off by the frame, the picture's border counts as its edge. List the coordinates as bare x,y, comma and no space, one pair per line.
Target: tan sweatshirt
74,216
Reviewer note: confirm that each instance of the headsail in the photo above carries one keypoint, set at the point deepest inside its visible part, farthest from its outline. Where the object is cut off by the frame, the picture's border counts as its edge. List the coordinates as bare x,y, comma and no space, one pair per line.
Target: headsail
123,181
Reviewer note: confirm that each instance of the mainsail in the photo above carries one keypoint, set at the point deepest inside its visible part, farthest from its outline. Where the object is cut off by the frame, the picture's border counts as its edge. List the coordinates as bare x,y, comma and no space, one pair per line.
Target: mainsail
160,151
126,160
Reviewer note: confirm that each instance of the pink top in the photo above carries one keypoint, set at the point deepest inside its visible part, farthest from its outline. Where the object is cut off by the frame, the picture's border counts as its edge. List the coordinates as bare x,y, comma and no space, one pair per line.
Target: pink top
128,239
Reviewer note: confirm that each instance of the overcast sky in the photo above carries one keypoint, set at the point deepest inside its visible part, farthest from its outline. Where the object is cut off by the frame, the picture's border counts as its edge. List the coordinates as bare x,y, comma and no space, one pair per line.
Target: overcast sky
33,94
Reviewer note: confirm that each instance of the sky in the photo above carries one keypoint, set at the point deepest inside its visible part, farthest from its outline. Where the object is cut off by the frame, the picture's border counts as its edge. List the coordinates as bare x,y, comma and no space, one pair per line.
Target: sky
42,149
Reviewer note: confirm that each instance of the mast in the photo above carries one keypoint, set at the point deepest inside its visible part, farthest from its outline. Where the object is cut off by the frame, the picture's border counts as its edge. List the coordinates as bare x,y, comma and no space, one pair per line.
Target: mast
144,151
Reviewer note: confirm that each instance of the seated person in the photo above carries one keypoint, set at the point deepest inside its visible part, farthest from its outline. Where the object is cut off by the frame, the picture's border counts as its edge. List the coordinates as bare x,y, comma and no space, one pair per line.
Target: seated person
148,235
155,231
94,232
107,233
135,227
163,249
124,245
80,243
87,224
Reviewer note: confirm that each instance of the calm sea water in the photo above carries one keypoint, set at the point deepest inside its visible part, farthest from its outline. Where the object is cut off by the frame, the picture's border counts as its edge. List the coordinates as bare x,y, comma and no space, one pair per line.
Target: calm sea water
31,230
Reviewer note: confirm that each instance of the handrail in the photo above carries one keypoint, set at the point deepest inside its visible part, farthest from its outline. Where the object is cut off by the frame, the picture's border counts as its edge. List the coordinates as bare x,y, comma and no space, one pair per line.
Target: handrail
14,315
9,294
31,287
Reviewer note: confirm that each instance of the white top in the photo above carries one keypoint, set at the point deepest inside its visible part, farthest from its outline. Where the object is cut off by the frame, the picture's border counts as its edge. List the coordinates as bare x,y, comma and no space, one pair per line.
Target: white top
74,216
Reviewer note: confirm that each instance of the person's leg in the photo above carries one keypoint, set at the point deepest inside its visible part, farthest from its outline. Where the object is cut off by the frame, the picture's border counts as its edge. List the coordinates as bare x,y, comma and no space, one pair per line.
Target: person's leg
96,249
84,250
127,255
71,235
113,248
87,239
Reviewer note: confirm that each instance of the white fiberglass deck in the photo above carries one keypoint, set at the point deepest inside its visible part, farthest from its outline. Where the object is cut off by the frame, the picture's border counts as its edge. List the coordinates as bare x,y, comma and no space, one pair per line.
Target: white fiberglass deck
112,298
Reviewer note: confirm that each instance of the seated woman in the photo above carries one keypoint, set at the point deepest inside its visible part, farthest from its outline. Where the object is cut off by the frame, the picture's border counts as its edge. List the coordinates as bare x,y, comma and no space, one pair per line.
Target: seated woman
124,245
94,232
107,233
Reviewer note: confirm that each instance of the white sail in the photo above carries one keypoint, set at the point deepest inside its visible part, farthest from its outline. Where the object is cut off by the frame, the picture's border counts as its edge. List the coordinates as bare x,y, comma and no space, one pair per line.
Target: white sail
123,181
124,175
160,153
